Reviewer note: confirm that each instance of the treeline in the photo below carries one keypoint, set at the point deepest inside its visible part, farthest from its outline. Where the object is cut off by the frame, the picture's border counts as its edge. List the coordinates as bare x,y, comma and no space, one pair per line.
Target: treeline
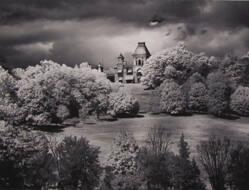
192,82
51,93
29,160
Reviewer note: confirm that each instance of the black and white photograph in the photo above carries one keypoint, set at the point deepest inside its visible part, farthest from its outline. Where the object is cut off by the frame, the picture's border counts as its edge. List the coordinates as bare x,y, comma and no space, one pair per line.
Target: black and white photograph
124,94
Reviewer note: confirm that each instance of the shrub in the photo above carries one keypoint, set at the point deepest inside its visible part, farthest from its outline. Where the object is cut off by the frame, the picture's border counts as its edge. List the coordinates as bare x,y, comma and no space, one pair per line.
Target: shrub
78,166
123,104
172,98
122,158
218,94
198,97
240,101
62,112
24,159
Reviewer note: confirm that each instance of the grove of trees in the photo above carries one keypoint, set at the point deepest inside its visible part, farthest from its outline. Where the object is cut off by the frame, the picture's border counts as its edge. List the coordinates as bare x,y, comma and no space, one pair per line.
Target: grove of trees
191,82
51,93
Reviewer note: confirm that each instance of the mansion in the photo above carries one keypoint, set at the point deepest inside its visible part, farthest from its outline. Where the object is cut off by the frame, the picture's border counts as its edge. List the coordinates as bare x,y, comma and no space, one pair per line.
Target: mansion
131,72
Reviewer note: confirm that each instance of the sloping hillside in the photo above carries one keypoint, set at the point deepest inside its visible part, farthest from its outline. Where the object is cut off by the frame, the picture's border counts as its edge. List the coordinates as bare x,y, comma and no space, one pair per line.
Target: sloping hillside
148,99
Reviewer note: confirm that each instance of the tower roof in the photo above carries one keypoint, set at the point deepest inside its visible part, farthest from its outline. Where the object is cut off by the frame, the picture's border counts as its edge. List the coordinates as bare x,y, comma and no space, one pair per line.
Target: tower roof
121,56
141,50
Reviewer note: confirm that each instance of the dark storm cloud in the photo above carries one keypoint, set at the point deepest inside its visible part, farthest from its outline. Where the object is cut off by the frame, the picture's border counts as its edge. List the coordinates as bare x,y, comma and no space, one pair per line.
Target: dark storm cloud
12,11
71,31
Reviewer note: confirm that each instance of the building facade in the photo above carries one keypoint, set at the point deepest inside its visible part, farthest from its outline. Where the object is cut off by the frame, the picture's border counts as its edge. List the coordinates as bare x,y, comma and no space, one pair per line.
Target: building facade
131,72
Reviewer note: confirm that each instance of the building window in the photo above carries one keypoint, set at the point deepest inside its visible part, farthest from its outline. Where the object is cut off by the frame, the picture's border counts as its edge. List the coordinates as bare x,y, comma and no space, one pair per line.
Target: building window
139,62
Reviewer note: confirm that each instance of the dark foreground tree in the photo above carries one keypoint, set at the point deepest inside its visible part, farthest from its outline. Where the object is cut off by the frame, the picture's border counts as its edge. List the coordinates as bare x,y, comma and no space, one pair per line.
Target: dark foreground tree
239,168
25,160
77,164
186,174
214,156
155,160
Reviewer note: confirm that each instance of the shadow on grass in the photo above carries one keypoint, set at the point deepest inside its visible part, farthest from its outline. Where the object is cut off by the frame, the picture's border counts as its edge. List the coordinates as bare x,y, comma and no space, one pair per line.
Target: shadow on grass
227,116
52,128
130,116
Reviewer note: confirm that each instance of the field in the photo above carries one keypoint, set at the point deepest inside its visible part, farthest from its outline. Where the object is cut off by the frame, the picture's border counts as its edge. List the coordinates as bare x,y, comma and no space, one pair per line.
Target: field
195,128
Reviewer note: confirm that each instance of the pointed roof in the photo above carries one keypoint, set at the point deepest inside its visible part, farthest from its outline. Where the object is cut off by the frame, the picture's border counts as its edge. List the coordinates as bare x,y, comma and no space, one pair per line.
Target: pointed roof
121,56
142,50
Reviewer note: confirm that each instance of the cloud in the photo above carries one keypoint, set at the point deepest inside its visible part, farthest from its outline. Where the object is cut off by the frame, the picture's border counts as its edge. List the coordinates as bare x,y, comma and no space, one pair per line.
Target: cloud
98,30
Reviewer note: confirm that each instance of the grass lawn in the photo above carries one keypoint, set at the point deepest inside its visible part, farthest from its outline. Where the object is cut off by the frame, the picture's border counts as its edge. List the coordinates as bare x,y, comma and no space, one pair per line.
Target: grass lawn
195,128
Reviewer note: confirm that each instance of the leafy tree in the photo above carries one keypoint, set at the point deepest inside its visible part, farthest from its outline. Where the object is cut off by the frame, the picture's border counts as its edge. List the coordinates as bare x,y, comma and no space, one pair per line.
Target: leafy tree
218,93
175,63
123,104
235,69
25,160
239,168
7,86
240,101
198,97
77,164
122,158
172,98
214,156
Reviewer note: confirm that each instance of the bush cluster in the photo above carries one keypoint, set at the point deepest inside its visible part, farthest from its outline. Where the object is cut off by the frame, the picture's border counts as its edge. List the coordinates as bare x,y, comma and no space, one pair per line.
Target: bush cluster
172,98
123,104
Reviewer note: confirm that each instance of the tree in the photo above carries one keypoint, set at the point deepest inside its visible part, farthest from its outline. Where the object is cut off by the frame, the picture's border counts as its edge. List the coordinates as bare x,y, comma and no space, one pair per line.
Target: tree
186,174
235,69
175,63
77,164
122,158
155,160
7,86
172,98
218,93
240,101
239,167
123,104
214,156
198,98
25,160
123,162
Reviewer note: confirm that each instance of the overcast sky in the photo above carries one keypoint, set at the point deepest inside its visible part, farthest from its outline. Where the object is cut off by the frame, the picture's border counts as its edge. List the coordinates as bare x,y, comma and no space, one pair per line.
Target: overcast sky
73,31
